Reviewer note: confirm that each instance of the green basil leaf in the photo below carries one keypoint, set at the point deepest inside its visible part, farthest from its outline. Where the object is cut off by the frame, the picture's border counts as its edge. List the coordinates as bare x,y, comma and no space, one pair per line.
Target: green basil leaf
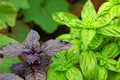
104,8
102,73
96,41
65,37
113,75
110,30
76,42
114,11
87,36
111,50
75,33
74,74
88,13
59,61
107,12
101,15
118,64
88,65
67,19
55,75
110,64
73,54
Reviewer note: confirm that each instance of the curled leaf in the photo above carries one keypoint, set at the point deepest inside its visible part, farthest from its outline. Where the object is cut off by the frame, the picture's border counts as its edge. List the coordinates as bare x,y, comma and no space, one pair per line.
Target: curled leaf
53,46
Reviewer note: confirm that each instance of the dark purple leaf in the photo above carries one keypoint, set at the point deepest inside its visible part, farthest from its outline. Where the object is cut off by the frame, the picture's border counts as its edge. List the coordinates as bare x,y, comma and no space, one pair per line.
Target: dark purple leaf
31,41
31,58
40,64
53,46
35,75
19,68
13,50
45,63
9,77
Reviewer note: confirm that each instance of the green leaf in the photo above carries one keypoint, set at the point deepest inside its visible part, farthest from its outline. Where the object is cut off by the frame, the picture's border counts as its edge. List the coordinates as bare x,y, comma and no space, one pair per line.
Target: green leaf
102,15
73,54
111,50
4,40
63,60
40,12
102,73
88,13
108,11
7,63
87,36
20,31
104,8
88,65
74,74
118,64
75,33
96,42
19,4
75,42
110,30
55,75
7,15
113,75
110,64
60,62
65,37
114,12
67,19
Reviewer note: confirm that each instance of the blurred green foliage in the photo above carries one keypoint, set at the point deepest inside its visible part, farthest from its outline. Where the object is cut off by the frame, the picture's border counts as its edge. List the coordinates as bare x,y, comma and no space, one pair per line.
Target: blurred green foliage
40,12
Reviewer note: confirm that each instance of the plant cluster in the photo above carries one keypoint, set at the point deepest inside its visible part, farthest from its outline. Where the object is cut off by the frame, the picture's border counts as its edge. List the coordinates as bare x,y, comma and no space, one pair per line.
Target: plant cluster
35,58
96,38
90,51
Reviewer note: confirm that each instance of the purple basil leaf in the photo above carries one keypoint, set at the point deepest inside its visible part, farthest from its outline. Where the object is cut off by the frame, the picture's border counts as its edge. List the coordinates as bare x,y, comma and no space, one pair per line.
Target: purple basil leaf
51,47
6,76
13,50
31,41
19,68
45,63
35,75
30,58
